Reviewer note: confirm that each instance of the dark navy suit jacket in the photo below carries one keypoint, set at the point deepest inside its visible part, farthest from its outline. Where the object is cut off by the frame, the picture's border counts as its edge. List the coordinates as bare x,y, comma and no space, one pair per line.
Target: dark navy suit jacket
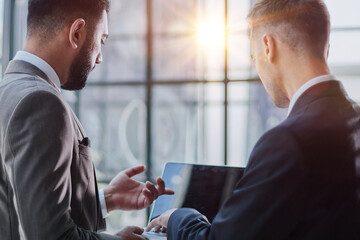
301,182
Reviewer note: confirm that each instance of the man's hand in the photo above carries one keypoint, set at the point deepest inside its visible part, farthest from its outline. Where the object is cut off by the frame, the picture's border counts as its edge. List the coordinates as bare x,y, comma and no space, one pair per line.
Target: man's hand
127,194
160,222
131,233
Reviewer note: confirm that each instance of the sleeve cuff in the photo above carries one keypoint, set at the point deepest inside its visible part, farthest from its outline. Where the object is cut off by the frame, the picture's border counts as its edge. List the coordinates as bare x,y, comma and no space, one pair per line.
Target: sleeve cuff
103,203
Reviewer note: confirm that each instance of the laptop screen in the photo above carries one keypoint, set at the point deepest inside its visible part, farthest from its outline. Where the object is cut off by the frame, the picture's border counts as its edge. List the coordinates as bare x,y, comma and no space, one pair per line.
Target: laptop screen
202,187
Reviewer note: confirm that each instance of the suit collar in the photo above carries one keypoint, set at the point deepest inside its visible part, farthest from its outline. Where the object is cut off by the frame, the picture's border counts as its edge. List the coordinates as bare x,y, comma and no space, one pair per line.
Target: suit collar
40,64
320,90
23,67
307,85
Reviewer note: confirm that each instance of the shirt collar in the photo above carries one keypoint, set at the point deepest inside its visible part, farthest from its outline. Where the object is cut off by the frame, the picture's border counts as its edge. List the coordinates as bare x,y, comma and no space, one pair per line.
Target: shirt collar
306,86
41,64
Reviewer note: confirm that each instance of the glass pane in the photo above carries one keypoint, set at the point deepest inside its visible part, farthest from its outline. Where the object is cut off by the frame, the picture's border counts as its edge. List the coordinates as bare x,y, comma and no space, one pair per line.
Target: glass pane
127,17
212,62
344,48
237,123
352,86
238,42
115,120
237,12
71,97
20,25
181,59
175,59
237,138
189,40
123,60
344,13
211,39
188,124
239,57
251,113
1,34
175,16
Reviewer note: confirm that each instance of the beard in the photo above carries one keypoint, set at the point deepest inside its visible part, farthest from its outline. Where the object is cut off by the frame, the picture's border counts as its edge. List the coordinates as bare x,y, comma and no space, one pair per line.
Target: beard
80,69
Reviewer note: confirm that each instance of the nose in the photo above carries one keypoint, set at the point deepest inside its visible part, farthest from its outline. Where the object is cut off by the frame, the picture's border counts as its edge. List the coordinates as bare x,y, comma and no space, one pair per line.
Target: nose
99,58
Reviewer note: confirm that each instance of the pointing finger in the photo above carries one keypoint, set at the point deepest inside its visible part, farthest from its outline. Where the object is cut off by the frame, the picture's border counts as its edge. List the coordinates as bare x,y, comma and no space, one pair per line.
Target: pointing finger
169,191
152,224
134,171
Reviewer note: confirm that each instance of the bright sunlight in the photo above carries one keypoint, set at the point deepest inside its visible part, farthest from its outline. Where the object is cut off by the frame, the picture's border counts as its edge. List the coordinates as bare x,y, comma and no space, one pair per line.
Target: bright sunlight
210,35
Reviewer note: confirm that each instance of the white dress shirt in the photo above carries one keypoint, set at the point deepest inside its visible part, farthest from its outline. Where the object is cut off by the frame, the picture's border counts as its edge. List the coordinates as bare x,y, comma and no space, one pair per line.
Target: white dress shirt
40,64
306,86
50,72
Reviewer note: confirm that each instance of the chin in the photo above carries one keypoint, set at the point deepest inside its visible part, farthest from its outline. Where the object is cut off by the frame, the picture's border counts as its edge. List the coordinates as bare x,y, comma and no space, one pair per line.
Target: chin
74,85
281,103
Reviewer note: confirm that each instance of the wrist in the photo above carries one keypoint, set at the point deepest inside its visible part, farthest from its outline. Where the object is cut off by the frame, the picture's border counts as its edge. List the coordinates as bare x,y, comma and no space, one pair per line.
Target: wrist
103,206
108,199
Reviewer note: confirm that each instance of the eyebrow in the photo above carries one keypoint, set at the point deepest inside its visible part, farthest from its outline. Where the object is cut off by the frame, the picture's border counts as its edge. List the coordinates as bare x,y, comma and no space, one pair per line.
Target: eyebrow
105,35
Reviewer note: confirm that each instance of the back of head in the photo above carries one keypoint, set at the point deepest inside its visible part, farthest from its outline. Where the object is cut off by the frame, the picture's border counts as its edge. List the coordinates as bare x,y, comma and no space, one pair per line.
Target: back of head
46,17
304,25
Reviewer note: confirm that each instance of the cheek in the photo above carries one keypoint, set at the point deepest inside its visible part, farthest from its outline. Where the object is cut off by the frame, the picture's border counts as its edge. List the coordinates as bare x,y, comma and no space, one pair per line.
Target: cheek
259,67
95,49
95,52
263,74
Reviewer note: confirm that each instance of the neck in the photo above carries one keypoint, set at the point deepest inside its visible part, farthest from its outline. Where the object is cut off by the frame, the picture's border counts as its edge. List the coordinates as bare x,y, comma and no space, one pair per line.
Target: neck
300,73
52,53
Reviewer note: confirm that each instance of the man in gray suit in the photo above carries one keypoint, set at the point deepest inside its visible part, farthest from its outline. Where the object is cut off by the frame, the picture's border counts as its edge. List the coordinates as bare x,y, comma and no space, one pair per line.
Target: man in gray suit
48,185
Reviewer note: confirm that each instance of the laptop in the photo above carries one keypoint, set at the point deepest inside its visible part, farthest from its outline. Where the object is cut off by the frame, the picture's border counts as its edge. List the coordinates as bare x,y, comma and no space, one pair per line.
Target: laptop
202,187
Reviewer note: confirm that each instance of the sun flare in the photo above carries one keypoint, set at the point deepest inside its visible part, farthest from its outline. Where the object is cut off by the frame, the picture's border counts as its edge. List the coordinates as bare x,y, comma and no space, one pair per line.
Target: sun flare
210,35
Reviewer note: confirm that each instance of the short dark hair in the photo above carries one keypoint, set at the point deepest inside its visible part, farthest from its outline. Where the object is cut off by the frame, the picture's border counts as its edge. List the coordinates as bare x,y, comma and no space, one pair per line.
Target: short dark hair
307,21
48,16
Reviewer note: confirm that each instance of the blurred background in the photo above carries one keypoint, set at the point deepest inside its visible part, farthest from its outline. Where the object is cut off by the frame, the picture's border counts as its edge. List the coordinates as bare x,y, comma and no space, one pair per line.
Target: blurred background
177,84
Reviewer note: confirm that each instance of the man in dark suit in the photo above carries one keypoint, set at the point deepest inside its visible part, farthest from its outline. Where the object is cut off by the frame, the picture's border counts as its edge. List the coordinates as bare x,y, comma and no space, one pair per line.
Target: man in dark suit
48,185
302,179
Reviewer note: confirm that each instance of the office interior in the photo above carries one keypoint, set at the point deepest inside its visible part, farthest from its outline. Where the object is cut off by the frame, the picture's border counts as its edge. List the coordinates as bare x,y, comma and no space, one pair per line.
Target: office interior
177,84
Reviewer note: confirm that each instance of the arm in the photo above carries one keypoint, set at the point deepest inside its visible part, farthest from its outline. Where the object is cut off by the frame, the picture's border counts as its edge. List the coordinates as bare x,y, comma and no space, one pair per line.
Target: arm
40,137
266,203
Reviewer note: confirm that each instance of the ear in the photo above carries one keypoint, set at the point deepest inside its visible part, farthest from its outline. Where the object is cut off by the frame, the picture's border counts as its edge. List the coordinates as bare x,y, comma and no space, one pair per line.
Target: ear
269,47
77,33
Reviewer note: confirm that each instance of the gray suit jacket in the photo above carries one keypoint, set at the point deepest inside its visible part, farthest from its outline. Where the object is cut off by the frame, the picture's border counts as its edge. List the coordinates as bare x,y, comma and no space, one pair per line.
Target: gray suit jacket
48,183
10,228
